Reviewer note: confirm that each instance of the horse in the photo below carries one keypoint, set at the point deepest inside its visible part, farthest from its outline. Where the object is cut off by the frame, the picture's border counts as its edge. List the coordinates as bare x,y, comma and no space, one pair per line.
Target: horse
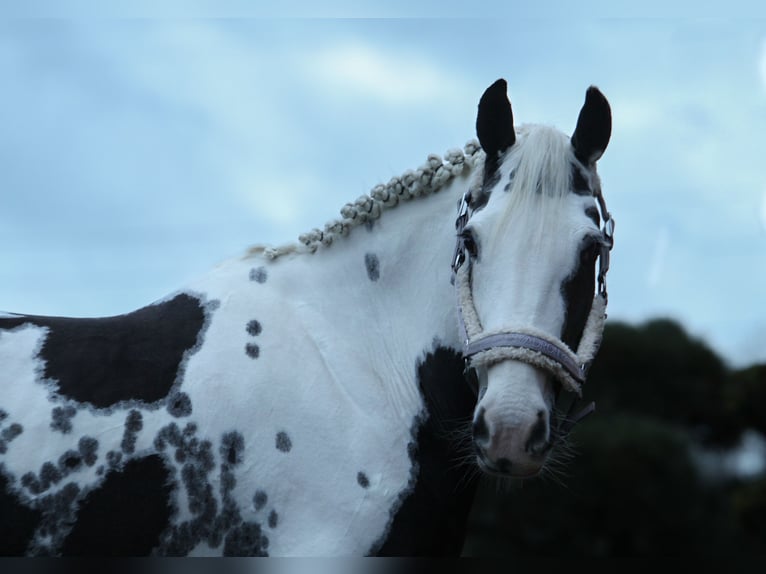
341,395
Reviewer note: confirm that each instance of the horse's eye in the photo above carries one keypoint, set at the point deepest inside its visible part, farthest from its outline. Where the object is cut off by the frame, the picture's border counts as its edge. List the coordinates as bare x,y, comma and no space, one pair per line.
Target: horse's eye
469,243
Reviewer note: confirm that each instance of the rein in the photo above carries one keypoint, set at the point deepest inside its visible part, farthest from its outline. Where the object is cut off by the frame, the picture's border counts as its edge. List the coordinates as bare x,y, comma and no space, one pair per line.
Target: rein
526,344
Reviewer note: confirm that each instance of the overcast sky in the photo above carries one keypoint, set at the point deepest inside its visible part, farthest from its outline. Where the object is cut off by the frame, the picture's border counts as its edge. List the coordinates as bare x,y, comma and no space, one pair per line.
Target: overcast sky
136,153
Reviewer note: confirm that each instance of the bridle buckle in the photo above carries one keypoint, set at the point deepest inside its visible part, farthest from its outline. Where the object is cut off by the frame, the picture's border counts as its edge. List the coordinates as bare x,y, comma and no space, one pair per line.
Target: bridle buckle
463,213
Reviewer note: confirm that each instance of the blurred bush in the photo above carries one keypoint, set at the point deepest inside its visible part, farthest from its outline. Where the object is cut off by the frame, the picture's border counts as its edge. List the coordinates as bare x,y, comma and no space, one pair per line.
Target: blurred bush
633,487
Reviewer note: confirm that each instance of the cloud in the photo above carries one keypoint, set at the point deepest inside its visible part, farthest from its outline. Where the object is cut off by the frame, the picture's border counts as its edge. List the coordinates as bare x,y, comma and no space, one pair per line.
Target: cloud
658,258
398,79
763,64
763,210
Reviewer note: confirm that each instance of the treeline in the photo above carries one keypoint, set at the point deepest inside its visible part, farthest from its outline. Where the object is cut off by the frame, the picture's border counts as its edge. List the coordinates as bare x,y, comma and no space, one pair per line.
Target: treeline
632,484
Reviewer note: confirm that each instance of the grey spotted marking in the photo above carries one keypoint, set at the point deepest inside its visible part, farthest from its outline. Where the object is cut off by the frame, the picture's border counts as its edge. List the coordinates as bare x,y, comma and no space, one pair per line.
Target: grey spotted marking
216,524
169,435
179,405
62,418
254,328
362,479
260,498
88,447
30,482
60,511
252,350
49,475
232,448
8,434
372,264
70,461
245,540
258,274
283,442
273,519
113,458
133,424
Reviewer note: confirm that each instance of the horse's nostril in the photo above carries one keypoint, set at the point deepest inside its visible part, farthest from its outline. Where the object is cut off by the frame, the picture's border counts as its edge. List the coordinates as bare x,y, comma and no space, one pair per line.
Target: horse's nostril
479,427
538,442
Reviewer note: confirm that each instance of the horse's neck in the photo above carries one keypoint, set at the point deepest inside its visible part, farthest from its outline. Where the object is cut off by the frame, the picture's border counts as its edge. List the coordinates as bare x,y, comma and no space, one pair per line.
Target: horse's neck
383,294
365,328
382,304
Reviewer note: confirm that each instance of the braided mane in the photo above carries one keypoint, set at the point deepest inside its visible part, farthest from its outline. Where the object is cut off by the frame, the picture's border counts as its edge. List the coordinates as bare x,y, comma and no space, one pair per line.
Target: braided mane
427,179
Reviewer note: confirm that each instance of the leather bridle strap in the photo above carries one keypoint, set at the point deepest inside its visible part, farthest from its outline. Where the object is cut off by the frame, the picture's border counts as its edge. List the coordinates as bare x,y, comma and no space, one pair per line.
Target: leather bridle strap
522,340
528,345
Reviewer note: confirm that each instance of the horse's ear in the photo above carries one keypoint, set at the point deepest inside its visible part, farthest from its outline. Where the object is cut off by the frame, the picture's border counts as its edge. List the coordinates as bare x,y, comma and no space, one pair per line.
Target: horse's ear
594,127
494,122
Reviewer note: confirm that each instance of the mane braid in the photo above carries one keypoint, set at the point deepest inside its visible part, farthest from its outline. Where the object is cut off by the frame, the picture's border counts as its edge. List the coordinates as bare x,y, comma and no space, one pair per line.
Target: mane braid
427,179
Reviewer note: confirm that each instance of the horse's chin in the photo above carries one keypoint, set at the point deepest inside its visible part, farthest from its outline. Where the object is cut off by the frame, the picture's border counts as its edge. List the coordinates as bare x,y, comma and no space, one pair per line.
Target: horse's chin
491,470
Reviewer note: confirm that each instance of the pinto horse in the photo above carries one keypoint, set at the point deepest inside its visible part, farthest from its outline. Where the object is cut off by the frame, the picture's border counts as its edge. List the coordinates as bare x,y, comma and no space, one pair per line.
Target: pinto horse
338,396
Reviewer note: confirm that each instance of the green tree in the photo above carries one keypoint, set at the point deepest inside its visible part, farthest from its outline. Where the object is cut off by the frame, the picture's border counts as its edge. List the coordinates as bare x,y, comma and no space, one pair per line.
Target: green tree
631,491
746,397
657,369
633,488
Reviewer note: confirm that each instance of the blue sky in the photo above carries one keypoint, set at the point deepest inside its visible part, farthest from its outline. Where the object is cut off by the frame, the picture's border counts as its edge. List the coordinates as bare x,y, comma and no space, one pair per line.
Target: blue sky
136,153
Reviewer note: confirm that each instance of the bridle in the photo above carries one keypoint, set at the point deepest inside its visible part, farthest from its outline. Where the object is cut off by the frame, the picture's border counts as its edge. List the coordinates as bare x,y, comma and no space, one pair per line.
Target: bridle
527,344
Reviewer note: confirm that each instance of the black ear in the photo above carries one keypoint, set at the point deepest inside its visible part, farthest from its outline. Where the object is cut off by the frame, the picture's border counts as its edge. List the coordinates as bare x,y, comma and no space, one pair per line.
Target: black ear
494,123
594,127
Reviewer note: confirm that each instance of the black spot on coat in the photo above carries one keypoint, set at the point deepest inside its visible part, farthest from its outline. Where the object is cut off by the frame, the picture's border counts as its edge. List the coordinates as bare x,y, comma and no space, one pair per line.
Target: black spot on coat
260,498
49,475
232,448
128,357
259,274
372,264
179,405
245,540
431,520
61,418
273,519
11,432
254,328
113,458
126,514
88,447
18,522
133,425
577,291
70,461
283,442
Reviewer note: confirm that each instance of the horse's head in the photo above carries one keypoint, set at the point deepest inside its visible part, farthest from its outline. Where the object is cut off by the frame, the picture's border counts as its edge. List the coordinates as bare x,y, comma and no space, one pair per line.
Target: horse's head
529,240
